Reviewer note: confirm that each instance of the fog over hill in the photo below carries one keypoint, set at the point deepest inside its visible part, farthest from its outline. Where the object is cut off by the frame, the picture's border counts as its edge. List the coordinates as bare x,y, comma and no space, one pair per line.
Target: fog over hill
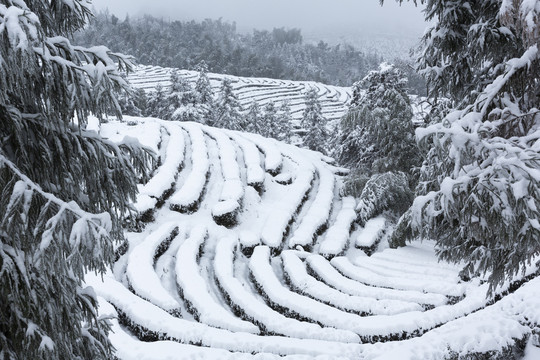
349,21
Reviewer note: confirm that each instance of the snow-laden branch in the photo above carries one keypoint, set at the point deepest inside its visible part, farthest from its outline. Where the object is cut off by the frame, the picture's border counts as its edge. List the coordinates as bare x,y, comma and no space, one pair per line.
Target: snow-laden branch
102,221
20,24
512,66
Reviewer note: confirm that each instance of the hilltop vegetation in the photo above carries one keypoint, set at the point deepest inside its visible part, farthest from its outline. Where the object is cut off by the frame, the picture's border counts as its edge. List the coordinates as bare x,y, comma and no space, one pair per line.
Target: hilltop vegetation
279,54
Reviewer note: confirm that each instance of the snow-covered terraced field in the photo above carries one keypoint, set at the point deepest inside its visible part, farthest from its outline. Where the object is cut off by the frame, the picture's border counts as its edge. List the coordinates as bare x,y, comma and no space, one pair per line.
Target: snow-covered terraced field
248,253
333,99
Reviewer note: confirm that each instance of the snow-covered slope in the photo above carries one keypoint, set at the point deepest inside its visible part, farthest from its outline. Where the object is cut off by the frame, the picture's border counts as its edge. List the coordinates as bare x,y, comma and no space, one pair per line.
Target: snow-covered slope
247,253
261,90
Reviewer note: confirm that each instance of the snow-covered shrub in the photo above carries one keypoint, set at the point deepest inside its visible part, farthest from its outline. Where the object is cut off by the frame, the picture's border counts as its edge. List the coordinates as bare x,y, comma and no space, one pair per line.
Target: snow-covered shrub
384,192
371,235
336,239
186,112
187,198
354,183
316,219
225,213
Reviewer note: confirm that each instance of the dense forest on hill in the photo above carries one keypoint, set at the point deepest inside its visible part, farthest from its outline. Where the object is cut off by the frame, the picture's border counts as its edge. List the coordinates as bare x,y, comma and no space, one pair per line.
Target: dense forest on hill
280,53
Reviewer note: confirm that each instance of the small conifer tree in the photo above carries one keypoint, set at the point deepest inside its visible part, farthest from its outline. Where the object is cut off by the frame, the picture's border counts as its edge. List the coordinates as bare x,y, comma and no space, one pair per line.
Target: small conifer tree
269,120
284,122
203,88
156,106
180,100
314,123
377,134
253,119
204,95
229,110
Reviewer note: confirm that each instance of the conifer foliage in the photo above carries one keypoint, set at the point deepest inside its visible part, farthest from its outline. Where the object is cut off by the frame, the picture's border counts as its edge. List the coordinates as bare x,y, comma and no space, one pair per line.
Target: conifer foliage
480,185
202,86
228,112
64,190
387,191
377,134
204,96
314,123
253,118
270,119
283,122
156,104
376,139
180,100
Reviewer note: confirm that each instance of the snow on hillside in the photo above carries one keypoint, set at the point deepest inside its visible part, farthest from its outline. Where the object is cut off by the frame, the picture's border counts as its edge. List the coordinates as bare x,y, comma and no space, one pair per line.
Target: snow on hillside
234,262
261,90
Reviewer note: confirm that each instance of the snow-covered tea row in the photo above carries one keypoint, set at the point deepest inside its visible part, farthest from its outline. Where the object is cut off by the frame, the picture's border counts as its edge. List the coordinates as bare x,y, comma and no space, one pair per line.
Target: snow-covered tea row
247,250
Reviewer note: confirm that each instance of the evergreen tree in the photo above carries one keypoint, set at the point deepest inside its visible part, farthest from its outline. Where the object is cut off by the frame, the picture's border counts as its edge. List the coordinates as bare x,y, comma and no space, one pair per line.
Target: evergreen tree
479,195
253,119
269,121
203,89
204,96
278,54
133,103
389,191
180,100
377,134
284,122
127,106
228,110
314,123
156,103
64,190
376,139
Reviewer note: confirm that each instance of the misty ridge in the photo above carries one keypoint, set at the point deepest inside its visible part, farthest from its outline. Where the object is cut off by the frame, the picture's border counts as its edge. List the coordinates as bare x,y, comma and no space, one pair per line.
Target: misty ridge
389,31
347,18
280,53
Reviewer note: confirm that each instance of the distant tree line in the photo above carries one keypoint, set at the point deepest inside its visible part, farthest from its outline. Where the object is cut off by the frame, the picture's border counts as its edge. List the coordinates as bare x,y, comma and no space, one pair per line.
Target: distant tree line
280,53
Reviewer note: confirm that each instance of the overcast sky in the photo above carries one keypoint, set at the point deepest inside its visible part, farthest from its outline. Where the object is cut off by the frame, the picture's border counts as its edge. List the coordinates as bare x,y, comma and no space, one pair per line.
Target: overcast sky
309,15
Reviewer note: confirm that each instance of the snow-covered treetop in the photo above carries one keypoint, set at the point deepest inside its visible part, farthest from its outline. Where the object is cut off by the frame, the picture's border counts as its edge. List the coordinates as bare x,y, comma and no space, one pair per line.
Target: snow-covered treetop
372,89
